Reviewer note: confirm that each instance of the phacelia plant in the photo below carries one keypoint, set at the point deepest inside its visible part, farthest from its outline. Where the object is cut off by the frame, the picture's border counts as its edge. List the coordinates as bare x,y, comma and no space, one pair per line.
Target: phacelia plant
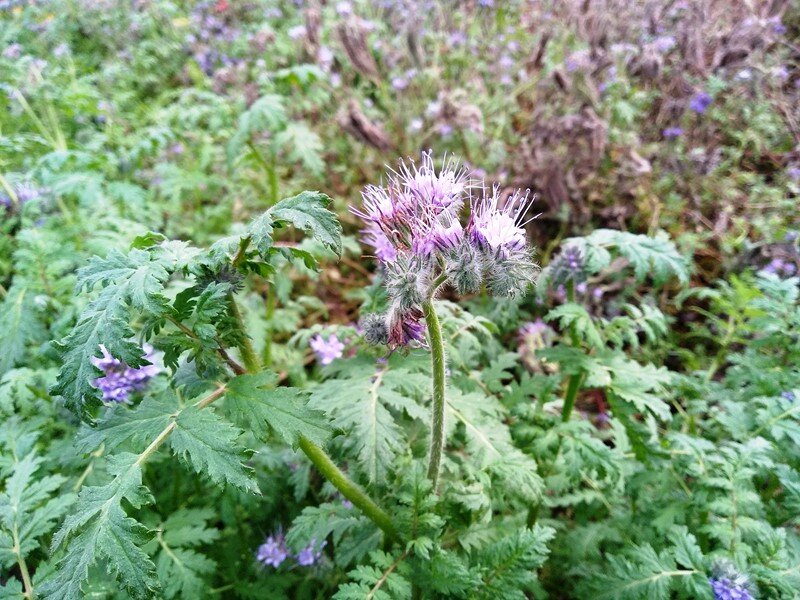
414,223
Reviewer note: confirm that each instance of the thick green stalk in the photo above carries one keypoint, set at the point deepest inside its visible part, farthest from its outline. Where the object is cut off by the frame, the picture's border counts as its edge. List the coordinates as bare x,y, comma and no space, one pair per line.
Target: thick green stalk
437,362
348,488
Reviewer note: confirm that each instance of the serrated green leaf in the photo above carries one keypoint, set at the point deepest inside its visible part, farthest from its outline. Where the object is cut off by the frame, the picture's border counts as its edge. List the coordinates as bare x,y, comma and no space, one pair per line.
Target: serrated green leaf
253,399
209,444
308,211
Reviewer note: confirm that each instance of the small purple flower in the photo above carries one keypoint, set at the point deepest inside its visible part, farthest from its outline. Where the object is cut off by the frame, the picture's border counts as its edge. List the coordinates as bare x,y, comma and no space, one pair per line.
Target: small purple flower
326,350
777,26
120,380
399,83
535,328
728,584
13,51
671,133
309,555
788,395
664,43
407,329
700,102
500,228
296,32
273,551
793,173
445,130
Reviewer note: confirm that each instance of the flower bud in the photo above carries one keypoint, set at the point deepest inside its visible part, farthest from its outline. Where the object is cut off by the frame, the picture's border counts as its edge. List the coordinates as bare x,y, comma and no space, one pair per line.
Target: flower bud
569,265
464,268
510,275
407,328
376,331
407,281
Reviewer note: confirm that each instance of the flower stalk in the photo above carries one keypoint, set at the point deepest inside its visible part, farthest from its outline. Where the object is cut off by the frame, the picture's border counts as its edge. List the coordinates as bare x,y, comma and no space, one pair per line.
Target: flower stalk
347,487
437,414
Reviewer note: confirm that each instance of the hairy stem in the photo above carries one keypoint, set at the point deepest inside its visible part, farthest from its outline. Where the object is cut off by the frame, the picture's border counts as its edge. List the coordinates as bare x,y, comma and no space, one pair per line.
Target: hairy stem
246,347
575,380
348,488
437,363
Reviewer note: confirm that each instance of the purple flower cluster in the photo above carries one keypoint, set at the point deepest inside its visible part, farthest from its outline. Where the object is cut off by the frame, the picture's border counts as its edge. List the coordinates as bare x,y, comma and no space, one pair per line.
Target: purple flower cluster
120,380
531,337
728,584
569,266
274,552
326,350
671,133
24,192
781,268
413,224
700,102
213,31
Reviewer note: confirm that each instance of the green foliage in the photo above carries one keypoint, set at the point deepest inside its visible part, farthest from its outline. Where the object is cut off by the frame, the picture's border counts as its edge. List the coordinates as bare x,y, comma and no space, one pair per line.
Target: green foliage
637,436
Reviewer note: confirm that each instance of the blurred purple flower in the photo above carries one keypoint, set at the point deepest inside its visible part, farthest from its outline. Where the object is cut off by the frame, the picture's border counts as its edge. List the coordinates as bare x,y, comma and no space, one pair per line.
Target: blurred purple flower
700,102
309,555
672,132
326,350
120,380
13,51
273,551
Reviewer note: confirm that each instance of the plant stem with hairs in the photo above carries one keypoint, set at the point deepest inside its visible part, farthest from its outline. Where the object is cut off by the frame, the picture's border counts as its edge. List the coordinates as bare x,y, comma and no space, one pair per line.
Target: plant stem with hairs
437,363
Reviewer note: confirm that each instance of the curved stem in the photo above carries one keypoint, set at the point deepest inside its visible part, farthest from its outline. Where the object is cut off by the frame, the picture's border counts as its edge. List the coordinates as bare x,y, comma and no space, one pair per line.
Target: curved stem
437,363
348,488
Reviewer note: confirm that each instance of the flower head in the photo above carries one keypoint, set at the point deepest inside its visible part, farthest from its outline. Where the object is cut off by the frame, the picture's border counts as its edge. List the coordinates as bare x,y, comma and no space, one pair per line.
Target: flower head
500,227
414,224
273,551
309,555
569,265
671,133
700,102
120,380
327,350
728,584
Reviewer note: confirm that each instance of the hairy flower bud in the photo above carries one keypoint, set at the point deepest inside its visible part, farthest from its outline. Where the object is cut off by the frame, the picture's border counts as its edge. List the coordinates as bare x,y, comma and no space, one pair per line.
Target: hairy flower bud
464,267
569,265
407,281
510,275
407,328
376,331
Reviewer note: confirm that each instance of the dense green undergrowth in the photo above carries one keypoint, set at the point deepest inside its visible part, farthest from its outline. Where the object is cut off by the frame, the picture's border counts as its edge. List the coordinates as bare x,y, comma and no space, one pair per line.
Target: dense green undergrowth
213,386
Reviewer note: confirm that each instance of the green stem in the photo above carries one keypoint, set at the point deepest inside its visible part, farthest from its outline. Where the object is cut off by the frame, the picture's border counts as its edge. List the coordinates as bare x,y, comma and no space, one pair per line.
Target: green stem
575,380
572,393
437,363
269,169
246,347
271,305
23,566
348,488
